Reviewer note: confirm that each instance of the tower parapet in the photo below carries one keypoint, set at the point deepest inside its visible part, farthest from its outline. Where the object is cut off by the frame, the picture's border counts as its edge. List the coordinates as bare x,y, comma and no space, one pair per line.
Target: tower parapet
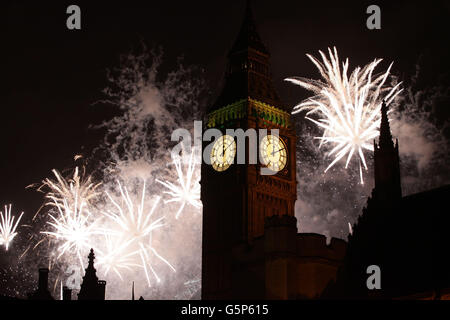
313,245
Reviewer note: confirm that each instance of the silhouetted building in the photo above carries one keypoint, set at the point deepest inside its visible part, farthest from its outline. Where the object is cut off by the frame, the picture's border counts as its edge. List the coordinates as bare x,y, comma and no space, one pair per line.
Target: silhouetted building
67,293
388,188
42,292
407,237
8,298
91,287
251,248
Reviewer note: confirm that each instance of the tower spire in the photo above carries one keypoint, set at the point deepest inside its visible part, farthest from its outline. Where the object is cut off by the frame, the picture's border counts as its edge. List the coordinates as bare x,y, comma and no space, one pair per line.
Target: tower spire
248,73
248,8
91,287
91,272
248,35
385,129
387,162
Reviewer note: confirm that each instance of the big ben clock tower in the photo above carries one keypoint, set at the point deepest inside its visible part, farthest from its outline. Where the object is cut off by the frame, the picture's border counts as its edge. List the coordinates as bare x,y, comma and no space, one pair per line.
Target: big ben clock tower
238,201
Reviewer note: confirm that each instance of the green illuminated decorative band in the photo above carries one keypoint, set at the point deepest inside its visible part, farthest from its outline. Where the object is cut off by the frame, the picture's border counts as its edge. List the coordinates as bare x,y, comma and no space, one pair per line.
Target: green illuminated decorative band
270,114
238,110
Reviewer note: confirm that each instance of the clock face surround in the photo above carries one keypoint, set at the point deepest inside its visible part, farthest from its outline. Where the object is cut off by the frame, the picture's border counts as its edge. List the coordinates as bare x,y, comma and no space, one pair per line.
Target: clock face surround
223,153
273,153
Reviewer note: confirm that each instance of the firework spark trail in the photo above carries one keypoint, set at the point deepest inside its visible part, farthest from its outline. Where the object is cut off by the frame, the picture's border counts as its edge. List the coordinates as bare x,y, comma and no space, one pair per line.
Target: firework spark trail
72,190
348,106
134,224
116,257
134,229
7,227
187,191
74,226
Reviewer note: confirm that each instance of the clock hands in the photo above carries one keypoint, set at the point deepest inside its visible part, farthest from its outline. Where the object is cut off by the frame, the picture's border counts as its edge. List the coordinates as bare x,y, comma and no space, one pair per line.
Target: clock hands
225,149
272,146
223,146
222,155
273,153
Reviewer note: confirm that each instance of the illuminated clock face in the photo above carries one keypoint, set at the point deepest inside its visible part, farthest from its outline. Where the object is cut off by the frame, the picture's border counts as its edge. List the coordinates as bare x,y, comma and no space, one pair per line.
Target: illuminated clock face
223,152
273,152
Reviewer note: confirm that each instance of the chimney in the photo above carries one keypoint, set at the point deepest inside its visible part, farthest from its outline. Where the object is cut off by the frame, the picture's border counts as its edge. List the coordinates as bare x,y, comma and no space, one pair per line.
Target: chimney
101,286
42,292
43,279
67,293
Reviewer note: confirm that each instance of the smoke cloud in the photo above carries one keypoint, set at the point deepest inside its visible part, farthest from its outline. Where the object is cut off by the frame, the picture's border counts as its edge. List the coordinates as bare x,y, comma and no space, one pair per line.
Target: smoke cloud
137,148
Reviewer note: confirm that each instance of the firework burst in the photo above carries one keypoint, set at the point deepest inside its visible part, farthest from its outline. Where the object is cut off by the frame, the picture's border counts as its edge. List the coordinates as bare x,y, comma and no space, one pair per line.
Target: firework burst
8,227
134,230
348,107
75,190
73,226
187,188
71,223
117,256
131,218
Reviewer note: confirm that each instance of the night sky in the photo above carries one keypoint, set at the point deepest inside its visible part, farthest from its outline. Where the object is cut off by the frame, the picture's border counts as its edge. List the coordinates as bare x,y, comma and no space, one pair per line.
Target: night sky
53,80
52,76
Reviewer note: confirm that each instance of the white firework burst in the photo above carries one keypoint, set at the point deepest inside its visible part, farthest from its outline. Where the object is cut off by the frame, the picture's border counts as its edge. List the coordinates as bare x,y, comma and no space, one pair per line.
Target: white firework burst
117,256
347,107
8,227
61,189
134,229
73,226
186,190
